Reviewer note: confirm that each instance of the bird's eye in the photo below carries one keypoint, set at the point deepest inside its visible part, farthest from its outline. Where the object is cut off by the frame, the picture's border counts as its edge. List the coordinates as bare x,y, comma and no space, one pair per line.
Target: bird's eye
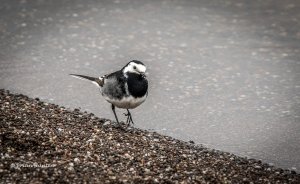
134,67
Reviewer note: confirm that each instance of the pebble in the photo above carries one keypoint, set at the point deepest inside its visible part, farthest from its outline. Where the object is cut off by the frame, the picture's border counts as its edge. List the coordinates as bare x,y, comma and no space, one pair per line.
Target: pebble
76,160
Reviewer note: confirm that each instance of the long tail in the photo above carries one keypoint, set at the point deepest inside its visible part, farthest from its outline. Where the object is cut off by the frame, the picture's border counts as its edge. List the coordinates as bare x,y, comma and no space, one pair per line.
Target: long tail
97,81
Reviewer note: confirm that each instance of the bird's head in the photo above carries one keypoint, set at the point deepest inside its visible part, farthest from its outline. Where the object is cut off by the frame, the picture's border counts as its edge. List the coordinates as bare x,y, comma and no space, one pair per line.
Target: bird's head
135,66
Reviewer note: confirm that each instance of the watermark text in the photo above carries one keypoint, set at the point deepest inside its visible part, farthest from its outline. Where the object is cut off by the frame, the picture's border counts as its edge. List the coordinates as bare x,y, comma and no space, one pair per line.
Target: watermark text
33,165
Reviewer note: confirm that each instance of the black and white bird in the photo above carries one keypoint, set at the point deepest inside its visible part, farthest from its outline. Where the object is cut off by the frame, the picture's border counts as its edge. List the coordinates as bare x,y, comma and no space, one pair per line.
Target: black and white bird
126,88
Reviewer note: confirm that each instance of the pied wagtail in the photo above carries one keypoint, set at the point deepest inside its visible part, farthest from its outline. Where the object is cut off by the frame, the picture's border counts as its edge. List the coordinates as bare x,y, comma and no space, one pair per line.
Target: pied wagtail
126,88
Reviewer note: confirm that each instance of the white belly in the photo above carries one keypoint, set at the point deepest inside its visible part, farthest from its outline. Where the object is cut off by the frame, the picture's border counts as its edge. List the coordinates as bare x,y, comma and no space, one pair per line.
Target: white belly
127,102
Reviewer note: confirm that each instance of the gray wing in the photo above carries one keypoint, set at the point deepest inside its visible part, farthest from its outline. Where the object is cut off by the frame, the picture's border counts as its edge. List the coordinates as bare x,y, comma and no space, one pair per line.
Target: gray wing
114,86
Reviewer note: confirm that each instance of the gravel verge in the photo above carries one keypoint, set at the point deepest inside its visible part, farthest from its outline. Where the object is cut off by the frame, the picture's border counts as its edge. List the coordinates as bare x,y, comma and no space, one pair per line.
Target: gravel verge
43,142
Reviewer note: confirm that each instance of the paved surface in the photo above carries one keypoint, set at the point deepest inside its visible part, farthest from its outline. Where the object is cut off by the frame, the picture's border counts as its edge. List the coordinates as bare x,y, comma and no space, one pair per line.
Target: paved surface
224,74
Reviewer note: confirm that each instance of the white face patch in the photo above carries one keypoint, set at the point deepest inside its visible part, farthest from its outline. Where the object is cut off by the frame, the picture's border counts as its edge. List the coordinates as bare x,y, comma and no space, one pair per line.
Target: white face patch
135,68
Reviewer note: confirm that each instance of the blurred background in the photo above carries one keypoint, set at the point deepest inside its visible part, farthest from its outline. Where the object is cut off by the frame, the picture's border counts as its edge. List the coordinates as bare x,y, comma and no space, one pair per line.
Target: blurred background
225,74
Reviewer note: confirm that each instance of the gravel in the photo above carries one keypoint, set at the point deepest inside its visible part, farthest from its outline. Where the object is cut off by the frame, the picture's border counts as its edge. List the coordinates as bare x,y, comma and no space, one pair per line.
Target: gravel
43,142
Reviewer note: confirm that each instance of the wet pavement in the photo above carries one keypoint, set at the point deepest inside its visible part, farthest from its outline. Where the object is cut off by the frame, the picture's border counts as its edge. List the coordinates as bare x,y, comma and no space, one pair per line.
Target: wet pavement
223,74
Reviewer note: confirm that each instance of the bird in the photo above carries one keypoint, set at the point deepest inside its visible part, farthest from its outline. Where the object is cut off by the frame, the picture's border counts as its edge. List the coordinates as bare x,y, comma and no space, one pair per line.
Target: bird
126,88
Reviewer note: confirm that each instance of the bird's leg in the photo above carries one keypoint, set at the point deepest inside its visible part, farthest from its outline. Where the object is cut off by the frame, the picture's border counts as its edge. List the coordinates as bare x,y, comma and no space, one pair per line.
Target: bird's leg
129,117
113,109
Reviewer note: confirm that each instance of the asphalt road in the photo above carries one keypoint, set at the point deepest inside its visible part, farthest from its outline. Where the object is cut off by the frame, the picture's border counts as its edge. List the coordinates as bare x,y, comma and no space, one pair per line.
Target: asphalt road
223,74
